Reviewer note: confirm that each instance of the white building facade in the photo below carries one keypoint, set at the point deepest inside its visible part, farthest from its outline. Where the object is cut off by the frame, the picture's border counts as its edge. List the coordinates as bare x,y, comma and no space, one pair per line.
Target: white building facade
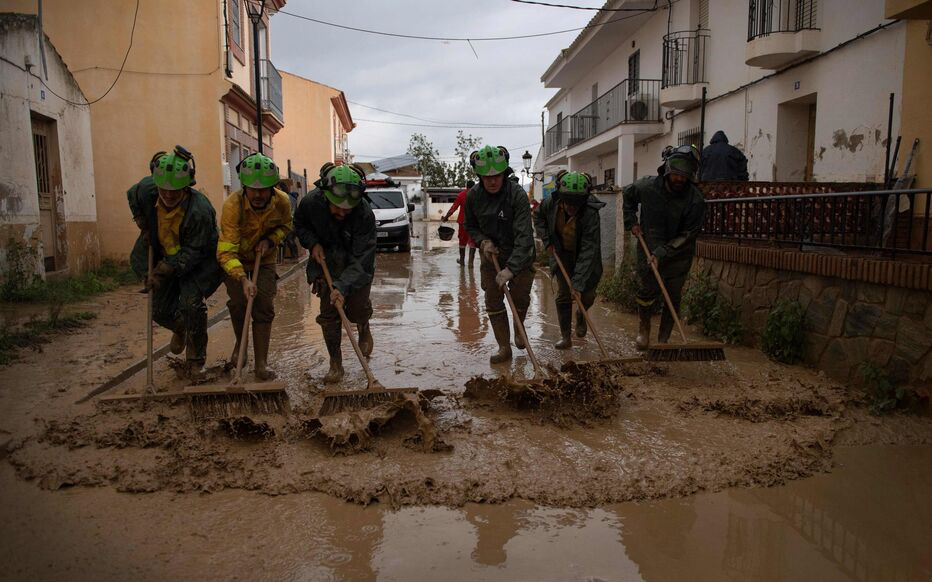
800,86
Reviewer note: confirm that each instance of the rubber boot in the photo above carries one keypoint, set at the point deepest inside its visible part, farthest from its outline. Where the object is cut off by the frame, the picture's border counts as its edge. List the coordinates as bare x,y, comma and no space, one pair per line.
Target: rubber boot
519,341
565,317
332,337
581,324
666,327
462,258
261,337
472,256
195,370
365,338
643,340
238,332
499,323
178,340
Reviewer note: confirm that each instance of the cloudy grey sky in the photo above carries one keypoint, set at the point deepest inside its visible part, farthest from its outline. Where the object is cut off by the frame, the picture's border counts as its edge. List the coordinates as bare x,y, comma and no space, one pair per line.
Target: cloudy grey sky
436,80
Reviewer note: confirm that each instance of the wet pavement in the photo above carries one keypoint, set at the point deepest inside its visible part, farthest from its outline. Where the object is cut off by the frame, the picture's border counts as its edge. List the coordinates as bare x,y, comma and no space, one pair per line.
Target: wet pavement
695,445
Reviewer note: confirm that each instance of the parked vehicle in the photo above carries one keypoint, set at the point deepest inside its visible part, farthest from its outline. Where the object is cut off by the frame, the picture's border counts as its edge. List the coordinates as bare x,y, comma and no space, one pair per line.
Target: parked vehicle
392,217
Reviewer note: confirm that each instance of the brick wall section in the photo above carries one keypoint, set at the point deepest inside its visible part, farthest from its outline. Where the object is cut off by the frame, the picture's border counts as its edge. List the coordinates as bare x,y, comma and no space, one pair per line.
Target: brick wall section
909,275
847,322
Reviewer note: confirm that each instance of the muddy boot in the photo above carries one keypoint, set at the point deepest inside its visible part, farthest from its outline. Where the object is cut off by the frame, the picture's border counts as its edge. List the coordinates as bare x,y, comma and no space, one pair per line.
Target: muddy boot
565,317
519,341
332,337
178,341
365,338
666,327
581,324
261,337
499,323
643,340
238,332
462,258
472,256
195,370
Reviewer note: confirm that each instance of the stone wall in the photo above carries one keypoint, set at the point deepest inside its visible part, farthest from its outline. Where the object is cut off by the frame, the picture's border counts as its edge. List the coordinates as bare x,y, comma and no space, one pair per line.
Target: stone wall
847,322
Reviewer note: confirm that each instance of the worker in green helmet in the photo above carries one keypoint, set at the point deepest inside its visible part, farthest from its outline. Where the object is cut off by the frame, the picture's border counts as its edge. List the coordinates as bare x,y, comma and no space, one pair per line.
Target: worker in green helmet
569,227
254,221
336,224
181,225
498,219
668,211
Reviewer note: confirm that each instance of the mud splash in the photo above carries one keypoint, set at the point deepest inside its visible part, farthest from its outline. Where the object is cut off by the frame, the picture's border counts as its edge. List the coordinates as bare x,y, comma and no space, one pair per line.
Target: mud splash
579,393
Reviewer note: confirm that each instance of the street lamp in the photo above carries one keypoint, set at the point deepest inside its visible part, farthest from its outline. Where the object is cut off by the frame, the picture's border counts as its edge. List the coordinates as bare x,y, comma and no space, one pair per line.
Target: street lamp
256,10
526,158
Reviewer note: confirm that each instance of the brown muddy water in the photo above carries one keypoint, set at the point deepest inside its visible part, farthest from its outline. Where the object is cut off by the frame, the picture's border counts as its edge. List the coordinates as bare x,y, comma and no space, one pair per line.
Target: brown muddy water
745,470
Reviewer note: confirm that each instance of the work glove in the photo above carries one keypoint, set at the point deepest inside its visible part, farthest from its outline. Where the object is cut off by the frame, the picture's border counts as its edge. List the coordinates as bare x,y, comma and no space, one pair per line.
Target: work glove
162,272
660,252
503,277
488,248
445,218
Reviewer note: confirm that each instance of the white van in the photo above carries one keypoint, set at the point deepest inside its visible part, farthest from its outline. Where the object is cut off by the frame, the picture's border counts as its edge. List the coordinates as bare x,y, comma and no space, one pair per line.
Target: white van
392,211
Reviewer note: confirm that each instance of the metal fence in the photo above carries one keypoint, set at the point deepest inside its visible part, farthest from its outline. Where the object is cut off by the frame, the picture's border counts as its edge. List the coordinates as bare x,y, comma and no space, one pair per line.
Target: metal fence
631,101
769,16
684,55
884,221
271,89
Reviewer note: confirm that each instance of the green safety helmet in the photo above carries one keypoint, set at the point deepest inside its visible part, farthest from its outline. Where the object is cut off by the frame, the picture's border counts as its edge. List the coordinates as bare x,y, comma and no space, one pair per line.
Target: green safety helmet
490,160
683,160
342,185
257,171
173,171
573,187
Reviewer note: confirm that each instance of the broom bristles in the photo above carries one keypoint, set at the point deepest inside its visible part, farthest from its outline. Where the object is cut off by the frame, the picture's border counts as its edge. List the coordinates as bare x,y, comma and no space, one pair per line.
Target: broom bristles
230,405
685,353
336,402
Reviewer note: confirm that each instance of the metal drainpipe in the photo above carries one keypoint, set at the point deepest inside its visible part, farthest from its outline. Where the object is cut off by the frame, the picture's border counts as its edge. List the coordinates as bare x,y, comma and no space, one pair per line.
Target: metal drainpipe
258,81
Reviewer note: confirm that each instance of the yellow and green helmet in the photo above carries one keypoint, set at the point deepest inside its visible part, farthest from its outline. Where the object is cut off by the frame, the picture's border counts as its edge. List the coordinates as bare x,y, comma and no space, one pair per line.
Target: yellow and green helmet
258,171
489,161
342,185
172,171
574,183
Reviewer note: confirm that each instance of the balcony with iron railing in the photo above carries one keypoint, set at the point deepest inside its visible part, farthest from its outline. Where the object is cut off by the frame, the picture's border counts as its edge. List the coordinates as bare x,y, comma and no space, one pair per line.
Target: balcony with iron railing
684,59
781,31
271,84
631,101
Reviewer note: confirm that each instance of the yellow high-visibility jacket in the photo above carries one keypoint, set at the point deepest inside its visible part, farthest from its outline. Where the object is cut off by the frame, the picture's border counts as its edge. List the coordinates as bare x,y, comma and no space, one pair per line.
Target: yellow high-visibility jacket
170,226
242,227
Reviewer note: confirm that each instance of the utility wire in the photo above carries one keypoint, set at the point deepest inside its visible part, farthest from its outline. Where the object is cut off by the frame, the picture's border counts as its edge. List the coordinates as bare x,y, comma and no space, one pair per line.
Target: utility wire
132,35
583,7
477,126
463,39
433,120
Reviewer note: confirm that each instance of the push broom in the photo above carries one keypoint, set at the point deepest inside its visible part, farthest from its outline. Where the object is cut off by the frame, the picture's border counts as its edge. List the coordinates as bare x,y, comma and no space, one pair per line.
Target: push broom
686,351
238,397
354,400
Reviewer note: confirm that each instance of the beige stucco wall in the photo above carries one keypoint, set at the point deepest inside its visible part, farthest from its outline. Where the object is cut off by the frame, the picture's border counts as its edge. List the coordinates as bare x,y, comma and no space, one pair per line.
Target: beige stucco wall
168,94
307,139
76,234
917,102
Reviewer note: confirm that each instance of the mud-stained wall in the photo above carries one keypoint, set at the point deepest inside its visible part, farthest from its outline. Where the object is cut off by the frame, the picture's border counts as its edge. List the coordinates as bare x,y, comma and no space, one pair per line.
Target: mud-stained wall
23,97
847,322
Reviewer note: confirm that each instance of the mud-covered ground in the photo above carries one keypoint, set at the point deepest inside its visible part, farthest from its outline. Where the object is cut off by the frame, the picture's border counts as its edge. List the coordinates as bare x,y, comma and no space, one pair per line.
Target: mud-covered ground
667,431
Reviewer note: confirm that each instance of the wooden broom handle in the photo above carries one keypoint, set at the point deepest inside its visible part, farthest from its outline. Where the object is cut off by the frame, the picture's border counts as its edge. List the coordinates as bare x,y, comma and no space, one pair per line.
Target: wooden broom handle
519,325
373,383
247,320
663,288
579,302
150,384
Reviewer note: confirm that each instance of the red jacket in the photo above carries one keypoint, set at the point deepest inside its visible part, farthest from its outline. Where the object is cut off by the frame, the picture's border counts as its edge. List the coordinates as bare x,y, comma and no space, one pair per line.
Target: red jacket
460,203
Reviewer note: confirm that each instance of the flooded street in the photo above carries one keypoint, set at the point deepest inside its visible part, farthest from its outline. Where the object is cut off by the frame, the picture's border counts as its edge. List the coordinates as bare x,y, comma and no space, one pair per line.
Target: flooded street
740,470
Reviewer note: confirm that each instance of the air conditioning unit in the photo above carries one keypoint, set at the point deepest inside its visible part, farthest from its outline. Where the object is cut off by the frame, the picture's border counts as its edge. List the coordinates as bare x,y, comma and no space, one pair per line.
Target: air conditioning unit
641,106
227,178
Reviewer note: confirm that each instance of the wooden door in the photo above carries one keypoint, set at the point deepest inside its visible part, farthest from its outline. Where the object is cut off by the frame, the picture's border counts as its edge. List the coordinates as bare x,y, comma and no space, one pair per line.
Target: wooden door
48,180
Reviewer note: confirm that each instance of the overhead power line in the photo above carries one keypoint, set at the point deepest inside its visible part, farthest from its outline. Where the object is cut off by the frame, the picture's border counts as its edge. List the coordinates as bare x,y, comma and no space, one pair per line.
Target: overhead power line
132,35
463,38
445,122
583,7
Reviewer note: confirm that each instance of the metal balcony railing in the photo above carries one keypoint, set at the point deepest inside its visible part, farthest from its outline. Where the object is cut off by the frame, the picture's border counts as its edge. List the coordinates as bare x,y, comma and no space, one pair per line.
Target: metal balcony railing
271,89
769,16
631,101
885,221
684,55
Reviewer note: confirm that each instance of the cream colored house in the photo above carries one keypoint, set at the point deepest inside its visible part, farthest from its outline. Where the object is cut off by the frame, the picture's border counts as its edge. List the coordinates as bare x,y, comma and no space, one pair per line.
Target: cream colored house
187,80
47,200
319,120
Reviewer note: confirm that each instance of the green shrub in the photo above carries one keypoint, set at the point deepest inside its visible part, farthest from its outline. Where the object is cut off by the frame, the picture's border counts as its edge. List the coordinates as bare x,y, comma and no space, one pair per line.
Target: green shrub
884,395
36,332
717,317
621,287
785,332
